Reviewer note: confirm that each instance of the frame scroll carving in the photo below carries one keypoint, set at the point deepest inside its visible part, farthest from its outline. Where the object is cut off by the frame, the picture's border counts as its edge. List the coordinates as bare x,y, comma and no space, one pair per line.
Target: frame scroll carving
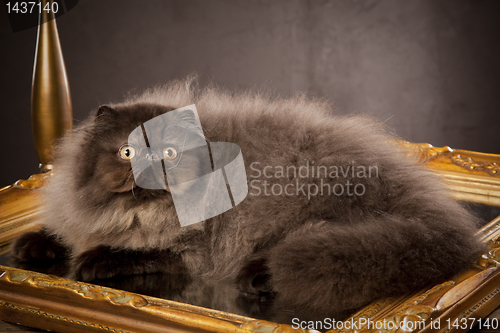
470,176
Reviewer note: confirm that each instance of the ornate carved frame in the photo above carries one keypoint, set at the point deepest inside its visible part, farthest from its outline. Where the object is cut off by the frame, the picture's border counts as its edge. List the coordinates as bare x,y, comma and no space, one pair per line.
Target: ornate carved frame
62,305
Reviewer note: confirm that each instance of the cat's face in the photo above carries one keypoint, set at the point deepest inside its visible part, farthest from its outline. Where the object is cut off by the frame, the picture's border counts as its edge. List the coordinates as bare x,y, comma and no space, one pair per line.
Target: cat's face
132,148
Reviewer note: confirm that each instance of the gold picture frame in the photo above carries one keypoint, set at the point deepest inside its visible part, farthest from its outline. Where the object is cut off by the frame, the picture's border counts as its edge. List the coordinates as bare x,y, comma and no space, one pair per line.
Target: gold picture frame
62,305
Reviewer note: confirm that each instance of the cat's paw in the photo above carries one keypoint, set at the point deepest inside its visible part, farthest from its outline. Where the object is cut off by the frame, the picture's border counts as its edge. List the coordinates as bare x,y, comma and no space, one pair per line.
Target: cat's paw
162,285
254,277
98,263
103,262
41,252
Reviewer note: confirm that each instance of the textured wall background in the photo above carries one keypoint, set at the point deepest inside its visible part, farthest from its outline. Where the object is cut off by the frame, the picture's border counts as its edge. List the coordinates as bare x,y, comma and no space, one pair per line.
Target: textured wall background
429,68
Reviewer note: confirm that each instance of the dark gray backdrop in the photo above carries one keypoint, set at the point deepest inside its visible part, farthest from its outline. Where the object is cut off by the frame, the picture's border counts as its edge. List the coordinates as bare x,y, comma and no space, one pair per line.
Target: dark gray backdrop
430,68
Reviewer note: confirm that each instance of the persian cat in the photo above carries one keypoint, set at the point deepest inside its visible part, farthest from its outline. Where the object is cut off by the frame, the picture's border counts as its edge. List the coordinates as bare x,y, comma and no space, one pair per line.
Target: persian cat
336,215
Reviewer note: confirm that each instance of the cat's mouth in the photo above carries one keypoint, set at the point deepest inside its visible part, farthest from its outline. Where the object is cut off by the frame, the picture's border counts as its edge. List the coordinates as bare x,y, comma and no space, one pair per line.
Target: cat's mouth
147,194
149,179
138,187
160,187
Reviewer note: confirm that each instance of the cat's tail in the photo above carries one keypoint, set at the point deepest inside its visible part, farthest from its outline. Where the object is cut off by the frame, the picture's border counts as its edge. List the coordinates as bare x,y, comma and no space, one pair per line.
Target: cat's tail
325,268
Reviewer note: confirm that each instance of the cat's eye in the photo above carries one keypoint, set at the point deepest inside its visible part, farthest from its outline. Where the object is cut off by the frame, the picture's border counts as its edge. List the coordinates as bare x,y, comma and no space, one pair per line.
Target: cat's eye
169,153
127,152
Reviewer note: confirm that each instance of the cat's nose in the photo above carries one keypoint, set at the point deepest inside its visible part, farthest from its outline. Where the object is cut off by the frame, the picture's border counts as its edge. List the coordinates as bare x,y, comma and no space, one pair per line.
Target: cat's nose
153,157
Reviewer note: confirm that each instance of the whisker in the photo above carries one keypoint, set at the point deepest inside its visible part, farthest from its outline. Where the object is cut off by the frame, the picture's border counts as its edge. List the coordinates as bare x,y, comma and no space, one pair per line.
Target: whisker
133,191
133,186
389,118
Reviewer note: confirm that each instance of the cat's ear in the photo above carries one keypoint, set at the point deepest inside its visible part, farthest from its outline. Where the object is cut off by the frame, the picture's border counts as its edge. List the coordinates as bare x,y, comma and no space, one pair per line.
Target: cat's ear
105,110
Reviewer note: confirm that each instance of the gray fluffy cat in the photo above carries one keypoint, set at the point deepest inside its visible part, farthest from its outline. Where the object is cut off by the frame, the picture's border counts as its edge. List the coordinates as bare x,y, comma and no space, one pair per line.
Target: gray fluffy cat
319,255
